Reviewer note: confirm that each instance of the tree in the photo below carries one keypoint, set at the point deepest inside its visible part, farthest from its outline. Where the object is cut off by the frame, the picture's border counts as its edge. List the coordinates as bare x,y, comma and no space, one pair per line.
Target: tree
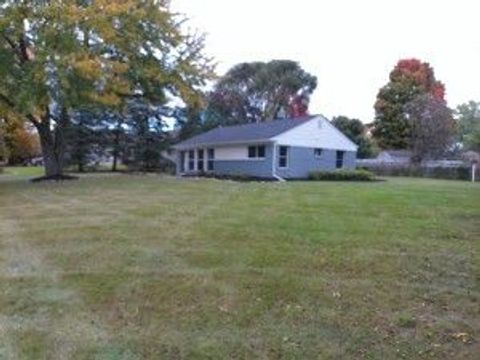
145,135
20,142
355,130
3,146
410,78
87,138
468,123
58,56
258,91
433,127
298,105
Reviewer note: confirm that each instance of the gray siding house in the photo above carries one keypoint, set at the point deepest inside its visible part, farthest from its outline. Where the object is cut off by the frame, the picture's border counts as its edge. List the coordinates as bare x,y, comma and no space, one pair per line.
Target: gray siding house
280,149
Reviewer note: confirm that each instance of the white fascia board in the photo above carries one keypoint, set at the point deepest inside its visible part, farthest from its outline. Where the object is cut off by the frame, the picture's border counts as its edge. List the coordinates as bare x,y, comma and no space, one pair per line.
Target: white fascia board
223,143
316,133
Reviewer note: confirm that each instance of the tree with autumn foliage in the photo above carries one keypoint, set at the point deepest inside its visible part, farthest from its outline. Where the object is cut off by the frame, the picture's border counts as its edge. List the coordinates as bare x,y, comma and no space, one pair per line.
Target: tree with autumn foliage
259,91
432,125
409,79
58,56
298,105
21,142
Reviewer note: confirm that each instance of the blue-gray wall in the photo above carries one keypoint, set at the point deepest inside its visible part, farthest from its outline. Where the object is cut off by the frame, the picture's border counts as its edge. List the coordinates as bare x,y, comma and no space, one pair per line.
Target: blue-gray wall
261,168
302,160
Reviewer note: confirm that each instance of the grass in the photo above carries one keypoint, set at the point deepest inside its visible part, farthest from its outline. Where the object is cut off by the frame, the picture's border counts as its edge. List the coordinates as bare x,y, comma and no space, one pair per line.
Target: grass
24,171
147,267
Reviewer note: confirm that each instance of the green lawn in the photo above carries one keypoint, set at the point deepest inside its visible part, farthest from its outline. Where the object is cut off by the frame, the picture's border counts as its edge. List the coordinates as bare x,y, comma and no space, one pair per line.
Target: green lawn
23,171
145,267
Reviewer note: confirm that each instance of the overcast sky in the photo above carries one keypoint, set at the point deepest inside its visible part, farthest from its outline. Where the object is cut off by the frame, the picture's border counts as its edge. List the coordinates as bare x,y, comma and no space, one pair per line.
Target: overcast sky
350,45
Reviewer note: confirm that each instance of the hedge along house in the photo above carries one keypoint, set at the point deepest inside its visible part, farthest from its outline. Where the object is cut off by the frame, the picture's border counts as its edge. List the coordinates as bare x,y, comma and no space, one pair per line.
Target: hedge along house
279,149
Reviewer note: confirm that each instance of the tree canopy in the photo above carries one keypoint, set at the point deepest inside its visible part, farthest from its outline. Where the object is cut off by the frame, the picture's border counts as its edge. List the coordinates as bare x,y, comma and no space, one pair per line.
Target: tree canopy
259,91
59,56
468,124
432,127
355,130
410,78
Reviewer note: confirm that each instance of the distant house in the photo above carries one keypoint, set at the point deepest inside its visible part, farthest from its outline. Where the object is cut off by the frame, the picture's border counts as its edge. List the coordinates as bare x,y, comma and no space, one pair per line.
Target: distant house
403,158
280,149
396,157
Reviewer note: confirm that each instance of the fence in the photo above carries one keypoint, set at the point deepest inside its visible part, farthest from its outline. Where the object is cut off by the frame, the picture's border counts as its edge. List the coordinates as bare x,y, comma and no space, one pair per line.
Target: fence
441,169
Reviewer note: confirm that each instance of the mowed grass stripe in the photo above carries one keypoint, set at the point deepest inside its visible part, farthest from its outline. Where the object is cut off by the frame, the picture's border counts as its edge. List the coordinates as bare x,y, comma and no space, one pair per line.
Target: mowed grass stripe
152,267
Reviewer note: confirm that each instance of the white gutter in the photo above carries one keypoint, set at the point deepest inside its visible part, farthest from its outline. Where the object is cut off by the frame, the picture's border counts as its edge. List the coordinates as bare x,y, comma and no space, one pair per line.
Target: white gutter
221,143
274,161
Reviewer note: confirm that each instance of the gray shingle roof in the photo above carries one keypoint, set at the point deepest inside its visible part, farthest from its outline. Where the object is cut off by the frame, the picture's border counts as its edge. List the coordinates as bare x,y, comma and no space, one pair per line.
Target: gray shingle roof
243,133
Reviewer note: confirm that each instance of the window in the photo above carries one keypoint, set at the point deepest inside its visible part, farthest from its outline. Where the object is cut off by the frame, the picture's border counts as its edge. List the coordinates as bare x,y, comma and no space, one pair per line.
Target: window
317,152
283,156
200,160
182,161
210,159
340,155
256,152
261,151
191,160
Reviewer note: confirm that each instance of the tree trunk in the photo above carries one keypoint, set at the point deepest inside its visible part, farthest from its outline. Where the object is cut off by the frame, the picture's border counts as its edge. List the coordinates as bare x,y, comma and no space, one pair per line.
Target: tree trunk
52,141
116,144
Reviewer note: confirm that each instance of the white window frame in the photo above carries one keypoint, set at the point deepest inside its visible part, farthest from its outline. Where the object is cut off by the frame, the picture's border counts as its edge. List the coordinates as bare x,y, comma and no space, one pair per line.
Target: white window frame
317,156
256,152
286,156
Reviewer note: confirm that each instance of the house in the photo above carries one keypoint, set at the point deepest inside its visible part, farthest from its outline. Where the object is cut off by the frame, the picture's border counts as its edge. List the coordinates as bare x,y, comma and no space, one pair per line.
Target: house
279,149
396,157
388,158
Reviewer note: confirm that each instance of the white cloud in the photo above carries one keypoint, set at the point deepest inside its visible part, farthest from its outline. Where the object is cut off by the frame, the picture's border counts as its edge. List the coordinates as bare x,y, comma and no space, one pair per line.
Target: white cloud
350,45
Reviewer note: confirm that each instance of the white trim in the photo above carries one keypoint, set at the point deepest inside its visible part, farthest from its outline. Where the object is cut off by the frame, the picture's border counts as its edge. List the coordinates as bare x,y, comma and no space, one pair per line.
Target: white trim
274,163
286,156
339,132
222,143
318,132
243,159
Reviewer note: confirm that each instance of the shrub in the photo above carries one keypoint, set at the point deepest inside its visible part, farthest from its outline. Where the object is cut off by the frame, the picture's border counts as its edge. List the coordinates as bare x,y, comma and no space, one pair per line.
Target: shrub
342,175
437,172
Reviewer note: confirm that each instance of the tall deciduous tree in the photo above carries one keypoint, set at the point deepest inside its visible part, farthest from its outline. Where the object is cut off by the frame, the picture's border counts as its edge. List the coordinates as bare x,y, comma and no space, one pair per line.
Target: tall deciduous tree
355,130
56,56
468,123
433,127
258,91
409,79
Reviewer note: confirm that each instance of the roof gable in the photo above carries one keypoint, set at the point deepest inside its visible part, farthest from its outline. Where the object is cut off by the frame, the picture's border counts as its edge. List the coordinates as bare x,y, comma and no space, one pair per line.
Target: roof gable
244,133
317,133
